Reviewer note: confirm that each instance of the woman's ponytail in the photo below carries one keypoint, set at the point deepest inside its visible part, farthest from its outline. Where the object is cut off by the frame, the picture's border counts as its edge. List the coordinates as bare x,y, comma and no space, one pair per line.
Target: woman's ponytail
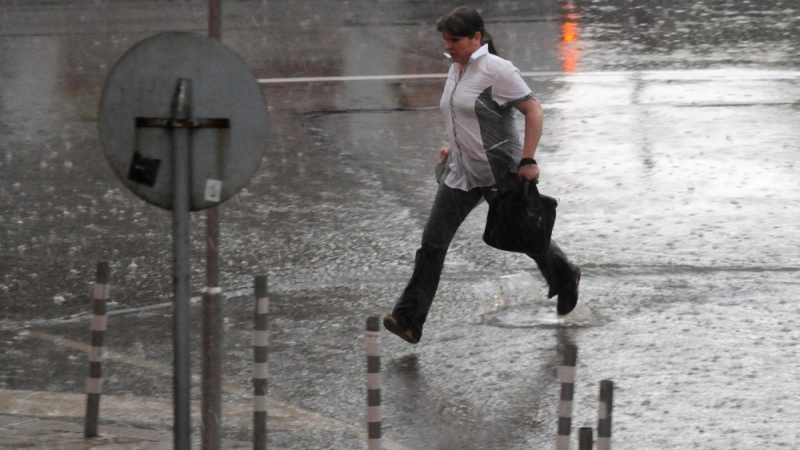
486,38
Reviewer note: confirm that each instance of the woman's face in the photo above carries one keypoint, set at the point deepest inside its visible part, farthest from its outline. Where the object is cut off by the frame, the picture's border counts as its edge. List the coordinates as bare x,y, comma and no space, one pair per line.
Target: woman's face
461,48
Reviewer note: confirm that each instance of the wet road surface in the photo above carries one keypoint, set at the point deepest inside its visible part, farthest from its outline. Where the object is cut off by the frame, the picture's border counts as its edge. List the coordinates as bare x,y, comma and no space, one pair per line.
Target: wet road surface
670,140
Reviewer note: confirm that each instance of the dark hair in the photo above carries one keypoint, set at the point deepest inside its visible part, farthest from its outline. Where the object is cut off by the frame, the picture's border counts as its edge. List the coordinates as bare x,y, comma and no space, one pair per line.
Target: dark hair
465,22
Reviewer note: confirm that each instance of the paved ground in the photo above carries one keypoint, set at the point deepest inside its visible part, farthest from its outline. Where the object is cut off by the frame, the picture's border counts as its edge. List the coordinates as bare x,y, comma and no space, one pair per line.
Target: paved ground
21,432
670,140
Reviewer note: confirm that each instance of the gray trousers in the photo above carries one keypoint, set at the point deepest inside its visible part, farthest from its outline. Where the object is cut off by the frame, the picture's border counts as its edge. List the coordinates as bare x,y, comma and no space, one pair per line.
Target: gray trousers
449,210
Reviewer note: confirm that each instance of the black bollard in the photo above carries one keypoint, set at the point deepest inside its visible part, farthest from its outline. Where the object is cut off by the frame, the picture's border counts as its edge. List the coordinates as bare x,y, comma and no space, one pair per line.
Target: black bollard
585,438
94,383
373,384
604,415
260,342
567,378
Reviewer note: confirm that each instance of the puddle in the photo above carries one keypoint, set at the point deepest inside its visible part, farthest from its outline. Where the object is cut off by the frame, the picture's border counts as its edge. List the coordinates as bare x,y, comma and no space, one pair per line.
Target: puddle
518,301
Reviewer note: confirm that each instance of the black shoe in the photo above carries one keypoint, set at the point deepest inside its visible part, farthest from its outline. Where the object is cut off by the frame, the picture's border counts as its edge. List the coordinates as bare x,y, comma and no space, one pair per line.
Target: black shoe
391,324
568,299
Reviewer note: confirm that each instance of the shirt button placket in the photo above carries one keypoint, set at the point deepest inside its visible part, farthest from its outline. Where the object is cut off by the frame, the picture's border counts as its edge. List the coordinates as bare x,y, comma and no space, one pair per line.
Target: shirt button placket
455,133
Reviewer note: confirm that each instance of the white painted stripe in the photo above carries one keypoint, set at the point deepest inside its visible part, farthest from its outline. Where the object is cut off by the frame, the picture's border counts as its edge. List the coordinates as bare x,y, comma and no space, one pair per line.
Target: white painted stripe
373,335
373,339
603,443
602,411
373,413
99,323
409,76
213,290
81,317
544,74
564,408
260,403
701,74
562,442
260,338
101,291
96,354
260,371
352,78
567,374
94,386
263,306
373,444
373,381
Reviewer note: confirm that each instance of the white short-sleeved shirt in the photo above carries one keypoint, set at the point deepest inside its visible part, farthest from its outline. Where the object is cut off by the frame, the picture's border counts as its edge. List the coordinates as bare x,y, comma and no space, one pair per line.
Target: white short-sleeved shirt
478,110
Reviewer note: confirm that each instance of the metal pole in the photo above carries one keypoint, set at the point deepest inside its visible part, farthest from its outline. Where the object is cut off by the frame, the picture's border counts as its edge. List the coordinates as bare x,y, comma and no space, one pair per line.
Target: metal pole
94,383
604,415
215,19
567,377
260,343
585,438
212,341
211,414
373,384
181,143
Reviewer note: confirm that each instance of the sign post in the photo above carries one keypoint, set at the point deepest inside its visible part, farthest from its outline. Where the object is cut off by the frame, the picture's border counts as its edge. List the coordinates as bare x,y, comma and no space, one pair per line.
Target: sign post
213,302
189,154
180,249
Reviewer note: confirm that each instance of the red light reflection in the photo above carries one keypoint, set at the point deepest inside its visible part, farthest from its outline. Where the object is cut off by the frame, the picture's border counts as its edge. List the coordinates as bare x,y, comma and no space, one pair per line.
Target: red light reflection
568,48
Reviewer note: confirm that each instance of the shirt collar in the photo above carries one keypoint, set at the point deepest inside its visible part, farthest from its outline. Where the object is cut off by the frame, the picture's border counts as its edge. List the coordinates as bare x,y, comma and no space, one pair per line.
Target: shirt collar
484,50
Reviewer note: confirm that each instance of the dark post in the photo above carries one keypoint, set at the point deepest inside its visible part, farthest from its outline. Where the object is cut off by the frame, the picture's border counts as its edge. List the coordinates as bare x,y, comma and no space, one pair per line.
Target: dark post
213,313
585,438
215,19
94,383
373,384
604,415
567,378
181,110
212,343
260,343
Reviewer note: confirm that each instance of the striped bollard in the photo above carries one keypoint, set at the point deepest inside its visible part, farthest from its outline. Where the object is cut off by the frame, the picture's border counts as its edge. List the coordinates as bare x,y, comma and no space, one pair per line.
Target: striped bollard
567,378
94,383
604,415
260,341
373,384
585,438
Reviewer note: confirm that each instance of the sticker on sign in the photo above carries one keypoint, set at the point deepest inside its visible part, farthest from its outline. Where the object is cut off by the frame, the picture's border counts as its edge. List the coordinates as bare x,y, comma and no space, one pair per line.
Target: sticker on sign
213,190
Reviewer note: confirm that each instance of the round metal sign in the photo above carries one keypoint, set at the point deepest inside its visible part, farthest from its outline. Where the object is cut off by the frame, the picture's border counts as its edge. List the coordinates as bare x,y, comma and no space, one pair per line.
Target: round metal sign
227,118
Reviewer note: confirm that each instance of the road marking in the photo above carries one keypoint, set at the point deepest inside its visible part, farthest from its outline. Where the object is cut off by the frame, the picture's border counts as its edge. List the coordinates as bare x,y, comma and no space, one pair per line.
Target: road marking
350,78
245,292
279,410
409,76
700,74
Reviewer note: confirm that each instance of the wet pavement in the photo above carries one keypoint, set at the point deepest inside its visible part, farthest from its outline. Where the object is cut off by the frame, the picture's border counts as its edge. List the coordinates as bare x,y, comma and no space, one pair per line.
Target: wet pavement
670,141
20,432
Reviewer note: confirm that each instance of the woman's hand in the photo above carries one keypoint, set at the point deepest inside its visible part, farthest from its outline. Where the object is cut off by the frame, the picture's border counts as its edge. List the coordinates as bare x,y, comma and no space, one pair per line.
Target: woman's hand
529,172
443,153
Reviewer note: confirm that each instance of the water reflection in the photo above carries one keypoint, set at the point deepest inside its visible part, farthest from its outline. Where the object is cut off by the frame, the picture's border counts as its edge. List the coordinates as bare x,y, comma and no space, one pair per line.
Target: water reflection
569,46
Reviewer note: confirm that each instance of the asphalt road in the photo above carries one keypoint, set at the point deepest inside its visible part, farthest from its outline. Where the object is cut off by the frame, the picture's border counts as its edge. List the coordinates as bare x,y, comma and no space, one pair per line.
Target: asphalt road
670,141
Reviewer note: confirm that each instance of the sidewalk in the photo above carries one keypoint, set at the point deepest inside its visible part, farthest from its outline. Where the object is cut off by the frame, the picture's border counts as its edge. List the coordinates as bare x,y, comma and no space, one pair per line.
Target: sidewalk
21,432
53,420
